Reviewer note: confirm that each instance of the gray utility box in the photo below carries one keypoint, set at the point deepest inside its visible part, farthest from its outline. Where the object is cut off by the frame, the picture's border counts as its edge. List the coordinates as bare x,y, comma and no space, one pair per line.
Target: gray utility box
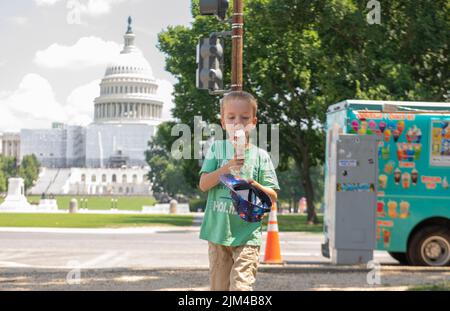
352,198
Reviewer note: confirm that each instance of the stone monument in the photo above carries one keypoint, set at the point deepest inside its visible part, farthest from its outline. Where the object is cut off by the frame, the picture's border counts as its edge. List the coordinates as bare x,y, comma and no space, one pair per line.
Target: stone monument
15,199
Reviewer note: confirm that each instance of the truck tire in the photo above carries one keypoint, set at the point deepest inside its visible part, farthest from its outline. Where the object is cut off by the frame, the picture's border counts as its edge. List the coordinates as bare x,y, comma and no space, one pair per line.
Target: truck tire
430,246
400,257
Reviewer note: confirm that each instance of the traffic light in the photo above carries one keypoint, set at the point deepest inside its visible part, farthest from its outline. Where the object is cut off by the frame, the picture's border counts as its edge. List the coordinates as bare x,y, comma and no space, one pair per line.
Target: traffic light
210,64
214,7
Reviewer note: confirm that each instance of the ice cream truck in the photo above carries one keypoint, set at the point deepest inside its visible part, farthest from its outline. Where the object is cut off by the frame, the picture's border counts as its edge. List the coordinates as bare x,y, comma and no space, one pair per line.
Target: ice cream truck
412,211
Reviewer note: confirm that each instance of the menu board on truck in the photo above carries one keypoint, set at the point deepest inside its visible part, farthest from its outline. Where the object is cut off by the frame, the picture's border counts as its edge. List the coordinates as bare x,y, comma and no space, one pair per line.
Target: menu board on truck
440,143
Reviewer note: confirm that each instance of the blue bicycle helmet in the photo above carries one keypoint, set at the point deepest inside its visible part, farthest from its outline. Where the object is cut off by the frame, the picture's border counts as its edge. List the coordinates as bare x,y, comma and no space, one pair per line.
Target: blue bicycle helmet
250,202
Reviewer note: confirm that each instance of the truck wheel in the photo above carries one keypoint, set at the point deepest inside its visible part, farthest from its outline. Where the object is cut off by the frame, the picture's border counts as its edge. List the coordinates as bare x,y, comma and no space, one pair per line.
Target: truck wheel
400,257
430,247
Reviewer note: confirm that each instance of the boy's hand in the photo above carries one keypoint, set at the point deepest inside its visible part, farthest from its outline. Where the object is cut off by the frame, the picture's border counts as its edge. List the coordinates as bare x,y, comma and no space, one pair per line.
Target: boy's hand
238,163
270,192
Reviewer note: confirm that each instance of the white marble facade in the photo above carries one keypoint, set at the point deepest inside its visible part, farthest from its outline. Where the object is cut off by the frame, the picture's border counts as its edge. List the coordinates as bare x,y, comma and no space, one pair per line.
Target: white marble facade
97,181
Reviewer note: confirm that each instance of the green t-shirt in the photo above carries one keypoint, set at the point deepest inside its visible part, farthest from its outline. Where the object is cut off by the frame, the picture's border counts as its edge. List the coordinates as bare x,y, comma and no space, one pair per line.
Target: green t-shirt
221,224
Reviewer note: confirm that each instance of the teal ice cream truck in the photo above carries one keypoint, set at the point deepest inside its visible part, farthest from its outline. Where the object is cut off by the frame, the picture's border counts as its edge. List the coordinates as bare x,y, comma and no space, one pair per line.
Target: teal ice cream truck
413,193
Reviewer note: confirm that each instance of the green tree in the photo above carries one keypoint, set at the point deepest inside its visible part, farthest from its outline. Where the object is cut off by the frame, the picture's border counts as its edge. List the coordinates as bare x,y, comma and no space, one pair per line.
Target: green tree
303,55
3,182
166,173
9,166
29,170
290,190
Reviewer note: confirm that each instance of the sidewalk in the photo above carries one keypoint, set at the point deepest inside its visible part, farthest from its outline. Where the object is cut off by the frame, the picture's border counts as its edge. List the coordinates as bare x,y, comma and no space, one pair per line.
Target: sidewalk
183,279
130,230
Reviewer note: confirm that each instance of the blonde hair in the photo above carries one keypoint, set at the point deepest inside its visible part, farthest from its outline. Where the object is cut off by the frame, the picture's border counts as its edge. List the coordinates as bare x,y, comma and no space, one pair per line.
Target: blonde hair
239,95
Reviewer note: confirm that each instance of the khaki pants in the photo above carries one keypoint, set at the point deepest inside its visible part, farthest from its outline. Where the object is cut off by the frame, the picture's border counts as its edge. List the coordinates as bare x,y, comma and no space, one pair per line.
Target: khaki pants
232,267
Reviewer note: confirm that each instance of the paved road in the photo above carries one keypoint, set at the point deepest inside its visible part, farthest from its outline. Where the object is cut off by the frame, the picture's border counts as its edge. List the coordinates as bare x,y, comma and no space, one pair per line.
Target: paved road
153,259
134,249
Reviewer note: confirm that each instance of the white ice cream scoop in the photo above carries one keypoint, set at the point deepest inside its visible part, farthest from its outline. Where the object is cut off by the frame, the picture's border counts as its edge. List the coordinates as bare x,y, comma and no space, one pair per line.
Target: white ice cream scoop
240,143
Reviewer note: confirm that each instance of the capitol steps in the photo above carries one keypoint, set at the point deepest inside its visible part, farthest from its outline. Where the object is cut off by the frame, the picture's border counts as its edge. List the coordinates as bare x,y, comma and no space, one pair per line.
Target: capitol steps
44,181
57,187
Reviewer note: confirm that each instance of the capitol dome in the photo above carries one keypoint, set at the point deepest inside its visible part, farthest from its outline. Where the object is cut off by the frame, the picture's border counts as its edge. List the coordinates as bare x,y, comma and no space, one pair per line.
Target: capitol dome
128,91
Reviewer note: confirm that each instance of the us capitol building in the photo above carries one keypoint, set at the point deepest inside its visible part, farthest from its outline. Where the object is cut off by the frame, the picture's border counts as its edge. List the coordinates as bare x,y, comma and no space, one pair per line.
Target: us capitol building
107,156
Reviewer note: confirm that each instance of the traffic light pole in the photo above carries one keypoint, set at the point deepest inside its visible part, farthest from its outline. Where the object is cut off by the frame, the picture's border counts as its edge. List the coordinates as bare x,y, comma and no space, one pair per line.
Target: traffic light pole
237,36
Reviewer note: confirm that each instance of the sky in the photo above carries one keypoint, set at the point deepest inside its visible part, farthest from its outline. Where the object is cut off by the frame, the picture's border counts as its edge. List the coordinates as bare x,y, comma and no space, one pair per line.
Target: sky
53,55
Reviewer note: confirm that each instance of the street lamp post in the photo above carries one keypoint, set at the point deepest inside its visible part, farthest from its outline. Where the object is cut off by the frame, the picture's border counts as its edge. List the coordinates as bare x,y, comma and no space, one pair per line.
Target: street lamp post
237,36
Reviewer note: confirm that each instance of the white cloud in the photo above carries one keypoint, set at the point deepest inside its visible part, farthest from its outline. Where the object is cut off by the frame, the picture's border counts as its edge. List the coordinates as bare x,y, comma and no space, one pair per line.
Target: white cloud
8,122
46,2
4,94
32,105
87,52
80,103
18,20
90,7
98,7
165,91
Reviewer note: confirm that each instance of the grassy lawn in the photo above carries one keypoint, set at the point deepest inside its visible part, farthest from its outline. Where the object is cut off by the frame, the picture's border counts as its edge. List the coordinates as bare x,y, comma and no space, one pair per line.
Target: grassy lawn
100,202
289,223
286,222
432,287
92,221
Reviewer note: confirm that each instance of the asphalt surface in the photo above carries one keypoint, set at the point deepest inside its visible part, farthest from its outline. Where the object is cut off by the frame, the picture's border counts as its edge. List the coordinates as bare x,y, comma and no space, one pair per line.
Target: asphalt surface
178,248
176,259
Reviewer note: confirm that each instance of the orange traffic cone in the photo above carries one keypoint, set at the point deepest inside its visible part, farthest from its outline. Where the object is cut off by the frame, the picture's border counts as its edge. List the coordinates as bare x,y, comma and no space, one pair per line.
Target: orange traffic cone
272,254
